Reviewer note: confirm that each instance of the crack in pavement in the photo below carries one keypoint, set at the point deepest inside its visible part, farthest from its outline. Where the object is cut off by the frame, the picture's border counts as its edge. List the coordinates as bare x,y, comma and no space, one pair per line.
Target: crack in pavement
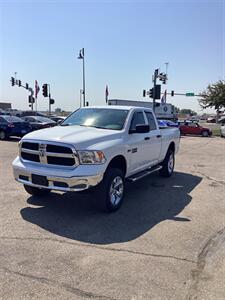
67,287
210,178
213,243
102,248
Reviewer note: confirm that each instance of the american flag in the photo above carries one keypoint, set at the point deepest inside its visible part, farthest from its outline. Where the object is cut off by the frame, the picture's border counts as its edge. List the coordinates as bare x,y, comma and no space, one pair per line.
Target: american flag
37,88
163,99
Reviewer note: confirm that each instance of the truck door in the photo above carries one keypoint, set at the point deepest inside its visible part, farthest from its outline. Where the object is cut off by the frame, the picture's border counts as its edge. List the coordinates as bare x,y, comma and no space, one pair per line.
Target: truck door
154,142
138,151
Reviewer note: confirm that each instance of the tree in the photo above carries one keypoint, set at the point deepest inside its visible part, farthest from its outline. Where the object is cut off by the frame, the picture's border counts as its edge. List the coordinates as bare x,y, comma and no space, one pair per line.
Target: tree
213,96
187,111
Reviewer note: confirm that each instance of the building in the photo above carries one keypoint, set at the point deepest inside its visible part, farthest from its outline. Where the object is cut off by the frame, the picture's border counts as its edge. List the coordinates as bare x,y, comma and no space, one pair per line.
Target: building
162,110
5,105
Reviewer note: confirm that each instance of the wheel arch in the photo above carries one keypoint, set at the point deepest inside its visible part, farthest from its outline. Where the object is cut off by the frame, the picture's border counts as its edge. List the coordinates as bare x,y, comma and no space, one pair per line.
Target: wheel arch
172,147
119,161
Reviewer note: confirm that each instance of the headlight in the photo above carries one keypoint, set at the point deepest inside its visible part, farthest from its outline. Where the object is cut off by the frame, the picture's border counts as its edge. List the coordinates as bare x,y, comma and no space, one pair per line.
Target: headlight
91,157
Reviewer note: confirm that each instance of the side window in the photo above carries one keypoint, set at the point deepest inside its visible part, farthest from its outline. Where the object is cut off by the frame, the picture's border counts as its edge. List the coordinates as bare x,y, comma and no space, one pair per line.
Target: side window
138,118
193,125
151,120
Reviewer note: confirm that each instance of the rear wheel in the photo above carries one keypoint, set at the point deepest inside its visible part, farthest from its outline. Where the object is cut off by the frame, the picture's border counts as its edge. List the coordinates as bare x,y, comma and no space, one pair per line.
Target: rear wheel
2,135
36,191
168,164
109,193
205,133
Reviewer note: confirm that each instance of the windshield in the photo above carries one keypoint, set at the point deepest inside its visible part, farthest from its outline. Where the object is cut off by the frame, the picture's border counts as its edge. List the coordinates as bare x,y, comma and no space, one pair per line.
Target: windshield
98,117
43,119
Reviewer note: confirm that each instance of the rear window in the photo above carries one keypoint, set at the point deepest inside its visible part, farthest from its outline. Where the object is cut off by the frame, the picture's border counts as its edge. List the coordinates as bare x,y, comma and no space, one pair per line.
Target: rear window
12,119
151,120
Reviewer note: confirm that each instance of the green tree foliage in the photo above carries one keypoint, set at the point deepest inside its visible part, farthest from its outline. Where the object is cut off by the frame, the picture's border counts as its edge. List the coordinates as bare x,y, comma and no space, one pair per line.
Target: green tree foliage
213,96
187,111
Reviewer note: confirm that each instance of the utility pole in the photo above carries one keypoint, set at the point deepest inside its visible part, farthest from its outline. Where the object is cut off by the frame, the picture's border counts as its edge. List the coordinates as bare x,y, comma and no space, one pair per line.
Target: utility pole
81,56
154,86
49,98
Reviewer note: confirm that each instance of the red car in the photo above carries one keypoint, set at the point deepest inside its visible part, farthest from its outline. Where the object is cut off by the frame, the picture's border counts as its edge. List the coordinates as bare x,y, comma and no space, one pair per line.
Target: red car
194,128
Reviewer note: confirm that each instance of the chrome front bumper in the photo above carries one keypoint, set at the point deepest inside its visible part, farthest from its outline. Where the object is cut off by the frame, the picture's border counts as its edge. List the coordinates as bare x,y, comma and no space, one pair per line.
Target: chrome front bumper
64,184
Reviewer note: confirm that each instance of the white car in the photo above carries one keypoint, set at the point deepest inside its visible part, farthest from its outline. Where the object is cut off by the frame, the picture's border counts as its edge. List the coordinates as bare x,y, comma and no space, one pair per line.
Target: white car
222,130
99,148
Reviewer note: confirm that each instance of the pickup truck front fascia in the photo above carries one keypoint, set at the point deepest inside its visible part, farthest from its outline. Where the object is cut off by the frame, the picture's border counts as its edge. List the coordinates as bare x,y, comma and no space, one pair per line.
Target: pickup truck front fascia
23,174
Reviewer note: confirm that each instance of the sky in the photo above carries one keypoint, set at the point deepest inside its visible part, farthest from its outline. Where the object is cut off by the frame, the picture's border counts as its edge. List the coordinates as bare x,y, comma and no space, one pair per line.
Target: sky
124,41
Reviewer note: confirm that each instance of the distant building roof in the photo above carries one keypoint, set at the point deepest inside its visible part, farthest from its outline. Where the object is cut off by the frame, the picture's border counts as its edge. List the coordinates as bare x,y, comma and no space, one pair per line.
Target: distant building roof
5,105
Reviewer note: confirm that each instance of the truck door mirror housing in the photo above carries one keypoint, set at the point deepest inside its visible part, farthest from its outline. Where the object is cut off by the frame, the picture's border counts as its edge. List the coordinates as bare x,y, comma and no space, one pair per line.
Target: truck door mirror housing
140,128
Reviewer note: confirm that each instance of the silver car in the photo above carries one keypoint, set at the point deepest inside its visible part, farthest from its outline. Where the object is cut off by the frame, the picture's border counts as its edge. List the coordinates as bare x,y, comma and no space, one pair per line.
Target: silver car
222,130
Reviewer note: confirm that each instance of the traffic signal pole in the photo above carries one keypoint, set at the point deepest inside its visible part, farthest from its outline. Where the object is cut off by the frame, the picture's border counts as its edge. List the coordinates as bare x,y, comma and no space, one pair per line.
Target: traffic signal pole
154,87
49,98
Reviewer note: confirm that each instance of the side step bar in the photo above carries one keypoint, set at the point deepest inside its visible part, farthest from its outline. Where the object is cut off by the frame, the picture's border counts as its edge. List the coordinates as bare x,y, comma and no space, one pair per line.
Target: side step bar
144,173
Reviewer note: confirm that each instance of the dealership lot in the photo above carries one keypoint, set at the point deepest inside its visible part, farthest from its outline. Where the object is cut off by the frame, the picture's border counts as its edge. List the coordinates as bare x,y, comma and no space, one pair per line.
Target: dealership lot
166,242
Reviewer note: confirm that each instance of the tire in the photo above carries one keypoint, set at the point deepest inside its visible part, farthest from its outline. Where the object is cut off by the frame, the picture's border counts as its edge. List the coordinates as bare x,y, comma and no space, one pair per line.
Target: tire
109,194
205,133
36,191
168,164
2,135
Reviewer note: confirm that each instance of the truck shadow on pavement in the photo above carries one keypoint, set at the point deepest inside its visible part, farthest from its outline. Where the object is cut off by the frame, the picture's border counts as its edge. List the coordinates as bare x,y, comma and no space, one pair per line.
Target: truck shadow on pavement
147,203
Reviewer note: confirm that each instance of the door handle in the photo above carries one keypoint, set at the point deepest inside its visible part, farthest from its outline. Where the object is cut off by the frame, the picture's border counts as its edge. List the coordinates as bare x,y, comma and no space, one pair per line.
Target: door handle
159,136
147,138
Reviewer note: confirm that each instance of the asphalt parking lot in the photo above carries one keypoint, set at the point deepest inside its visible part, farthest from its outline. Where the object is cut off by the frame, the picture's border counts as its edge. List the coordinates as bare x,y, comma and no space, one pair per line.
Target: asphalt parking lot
166,242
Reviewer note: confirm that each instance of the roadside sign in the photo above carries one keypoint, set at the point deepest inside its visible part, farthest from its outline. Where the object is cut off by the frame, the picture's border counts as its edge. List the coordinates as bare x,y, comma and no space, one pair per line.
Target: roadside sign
189,94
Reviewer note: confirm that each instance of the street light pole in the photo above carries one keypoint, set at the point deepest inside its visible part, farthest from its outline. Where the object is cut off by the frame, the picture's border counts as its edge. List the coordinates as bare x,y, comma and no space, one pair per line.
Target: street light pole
81,56
83,81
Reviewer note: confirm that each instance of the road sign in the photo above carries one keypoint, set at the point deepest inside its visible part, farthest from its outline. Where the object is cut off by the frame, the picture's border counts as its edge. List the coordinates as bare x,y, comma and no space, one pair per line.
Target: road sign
189,94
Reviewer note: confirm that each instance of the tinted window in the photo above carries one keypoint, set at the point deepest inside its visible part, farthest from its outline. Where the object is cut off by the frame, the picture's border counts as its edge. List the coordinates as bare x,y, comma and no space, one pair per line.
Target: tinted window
12,119
98,117
138,119
151,120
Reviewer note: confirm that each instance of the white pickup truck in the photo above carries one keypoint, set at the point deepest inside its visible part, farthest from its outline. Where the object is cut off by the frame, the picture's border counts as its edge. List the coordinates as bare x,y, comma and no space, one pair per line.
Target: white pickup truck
97,148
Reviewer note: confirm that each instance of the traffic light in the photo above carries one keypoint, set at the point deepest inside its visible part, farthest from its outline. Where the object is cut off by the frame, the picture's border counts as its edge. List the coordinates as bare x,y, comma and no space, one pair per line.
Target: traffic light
31,99
151,93
19,82
52,101
172,93
45,90
27,86
157,91
12,81
144,93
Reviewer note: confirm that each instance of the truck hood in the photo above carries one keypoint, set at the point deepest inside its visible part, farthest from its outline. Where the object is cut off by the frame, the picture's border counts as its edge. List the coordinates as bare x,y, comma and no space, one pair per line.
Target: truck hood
78,136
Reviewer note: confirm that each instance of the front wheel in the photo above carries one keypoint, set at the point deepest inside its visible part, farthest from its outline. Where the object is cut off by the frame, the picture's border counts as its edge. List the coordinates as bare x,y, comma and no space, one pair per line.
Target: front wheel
205,133
109,193
168,164
36,191
2,135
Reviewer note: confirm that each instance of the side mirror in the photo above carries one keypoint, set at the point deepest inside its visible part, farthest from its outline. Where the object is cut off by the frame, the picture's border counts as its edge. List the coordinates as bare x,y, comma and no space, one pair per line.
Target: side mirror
140,128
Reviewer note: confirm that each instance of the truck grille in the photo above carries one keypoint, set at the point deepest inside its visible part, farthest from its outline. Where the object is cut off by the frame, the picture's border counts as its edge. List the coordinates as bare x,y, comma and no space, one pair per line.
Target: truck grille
48,154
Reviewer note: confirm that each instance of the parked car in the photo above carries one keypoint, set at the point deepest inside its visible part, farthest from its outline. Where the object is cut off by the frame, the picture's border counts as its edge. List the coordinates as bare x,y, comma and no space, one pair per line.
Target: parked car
4,112
222,120
97,147
162,124
57,119
211,120
38,122
27,113
13,126
170,123
194,128
222,130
